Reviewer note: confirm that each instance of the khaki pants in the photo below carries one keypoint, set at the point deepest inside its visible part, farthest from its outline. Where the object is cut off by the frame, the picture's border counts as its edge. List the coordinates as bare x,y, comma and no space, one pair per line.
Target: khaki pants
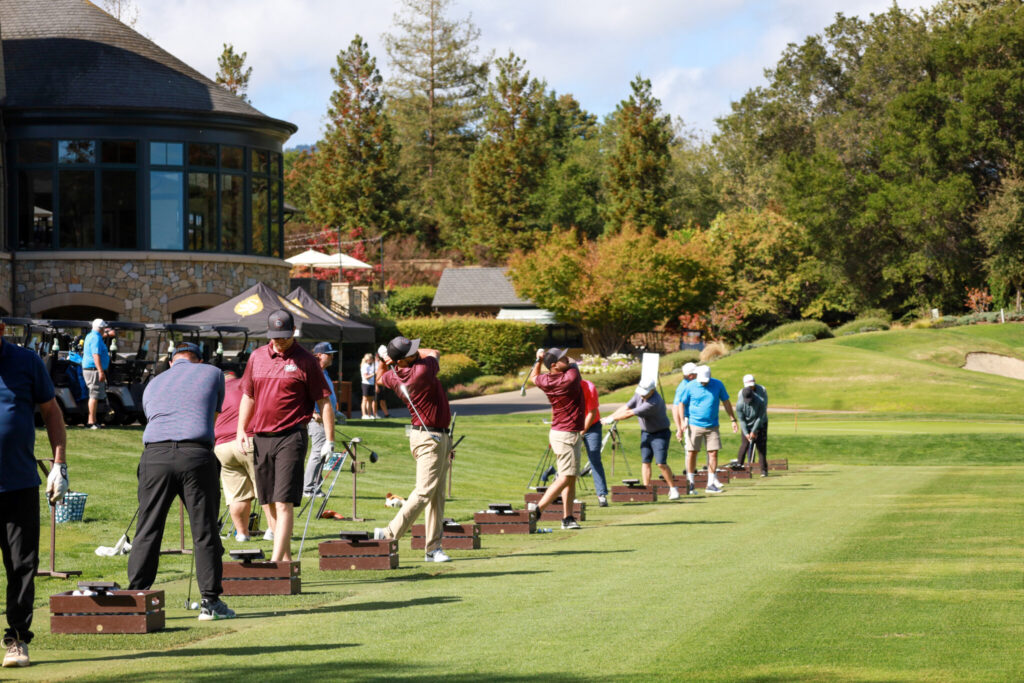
568,449
431,471
237,472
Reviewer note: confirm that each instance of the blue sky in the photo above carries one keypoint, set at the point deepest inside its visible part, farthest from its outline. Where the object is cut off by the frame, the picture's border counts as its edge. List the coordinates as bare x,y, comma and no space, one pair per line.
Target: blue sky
700,55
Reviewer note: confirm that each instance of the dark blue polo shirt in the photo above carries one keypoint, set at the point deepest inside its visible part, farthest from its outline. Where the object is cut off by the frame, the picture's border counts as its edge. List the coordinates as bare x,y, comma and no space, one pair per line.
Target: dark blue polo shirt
24,383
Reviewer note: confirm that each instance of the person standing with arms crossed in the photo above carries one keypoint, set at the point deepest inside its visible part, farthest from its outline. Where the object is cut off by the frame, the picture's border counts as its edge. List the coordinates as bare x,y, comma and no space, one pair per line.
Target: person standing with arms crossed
680,414
415,370
592,440
181,406
649,408
24,385
702,397
313,478
562,385
368,373
281,384
95,360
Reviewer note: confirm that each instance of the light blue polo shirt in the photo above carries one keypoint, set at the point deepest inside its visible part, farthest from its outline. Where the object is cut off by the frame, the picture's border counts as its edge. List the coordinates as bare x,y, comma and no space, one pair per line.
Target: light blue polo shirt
679,396
94,344
702,402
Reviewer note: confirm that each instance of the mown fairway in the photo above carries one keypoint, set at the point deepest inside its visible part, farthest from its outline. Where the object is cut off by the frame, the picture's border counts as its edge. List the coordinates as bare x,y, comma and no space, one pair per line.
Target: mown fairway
891,550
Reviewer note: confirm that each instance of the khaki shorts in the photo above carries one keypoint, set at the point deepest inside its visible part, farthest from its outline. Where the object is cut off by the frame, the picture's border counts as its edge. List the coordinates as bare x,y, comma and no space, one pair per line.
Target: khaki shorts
701,436
97,389
567,447
237,472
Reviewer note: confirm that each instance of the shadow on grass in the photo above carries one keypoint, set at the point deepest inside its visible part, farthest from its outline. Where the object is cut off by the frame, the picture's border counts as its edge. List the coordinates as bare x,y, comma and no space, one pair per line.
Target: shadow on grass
375,606
189,651
570,552
424,576
679,521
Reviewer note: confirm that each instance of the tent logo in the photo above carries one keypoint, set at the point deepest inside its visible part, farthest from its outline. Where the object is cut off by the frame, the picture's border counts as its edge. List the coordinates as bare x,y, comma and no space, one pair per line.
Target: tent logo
249,306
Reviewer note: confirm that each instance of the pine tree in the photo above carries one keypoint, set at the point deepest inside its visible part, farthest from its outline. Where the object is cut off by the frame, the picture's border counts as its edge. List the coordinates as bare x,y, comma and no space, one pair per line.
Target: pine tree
232,74
354,184
507,168
434,97
637,184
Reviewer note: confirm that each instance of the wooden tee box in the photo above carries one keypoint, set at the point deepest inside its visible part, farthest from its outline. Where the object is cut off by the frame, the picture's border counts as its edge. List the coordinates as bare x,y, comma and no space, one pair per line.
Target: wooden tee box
661,486
454,536
502,519
111,611
355,550
554,510
262,578
739,474
700,478
782,464
633,492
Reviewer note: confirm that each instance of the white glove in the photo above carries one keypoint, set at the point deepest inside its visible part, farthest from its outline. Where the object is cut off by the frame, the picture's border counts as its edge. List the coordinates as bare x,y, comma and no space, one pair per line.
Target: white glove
327,449
607,420
57,483
382,351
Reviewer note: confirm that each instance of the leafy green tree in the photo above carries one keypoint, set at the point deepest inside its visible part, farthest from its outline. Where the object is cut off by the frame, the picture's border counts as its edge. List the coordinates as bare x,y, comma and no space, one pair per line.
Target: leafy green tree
614,286
637,184
571,194
507,168
354,184
435,102
1001,230
232,73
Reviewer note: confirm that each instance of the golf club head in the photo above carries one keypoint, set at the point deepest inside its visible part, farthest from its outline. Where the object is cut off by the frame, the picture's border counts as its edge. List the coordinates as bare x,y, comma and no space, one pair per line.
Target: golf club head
105,551
548,473
356,439
374,457
586,470
522,391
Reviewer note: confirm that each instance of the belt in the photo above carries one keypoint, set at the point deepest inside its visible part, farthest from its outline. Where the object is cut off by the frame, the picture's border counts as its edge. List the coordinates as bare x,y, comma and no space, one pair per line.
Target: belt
189,444
421,428
285,432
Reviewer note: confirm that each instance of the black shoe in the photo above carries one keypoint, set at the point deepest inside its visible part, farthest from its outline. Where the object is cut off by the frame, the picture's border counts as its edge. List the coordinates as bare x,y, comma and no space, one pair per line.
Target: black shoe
570,523
689,489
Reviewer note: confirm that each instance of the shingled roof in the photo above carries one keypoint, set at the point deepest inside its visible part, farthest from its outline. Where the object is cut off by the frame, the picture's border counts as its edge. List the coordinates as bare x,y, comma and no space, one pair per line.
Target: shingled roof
463,287
70,54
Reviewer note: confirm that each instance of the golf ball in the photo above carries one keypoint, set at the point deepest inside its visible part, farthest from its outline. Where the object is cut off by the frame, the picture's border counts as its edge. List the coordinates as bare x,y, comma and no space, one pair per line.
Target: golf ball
194,605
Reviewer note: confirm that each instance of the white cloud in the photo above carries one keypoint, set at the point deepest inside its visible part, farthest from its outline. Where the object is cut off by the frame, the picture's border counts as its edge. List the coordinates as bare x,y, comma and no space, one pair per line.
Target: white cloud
699,54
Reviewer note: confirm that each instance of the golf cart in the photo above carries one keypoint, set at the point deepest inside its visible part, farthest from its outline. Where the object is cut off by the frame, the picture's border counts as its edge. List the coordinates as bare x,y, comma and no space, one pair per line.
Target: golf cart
223,358
127,371
61,351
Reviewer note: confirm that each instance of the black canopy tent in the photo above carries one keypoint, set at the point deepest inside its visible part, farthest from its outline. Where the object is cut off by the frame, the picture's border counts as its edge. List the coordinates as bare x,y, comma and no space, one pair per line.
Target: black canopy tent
352,332
251,308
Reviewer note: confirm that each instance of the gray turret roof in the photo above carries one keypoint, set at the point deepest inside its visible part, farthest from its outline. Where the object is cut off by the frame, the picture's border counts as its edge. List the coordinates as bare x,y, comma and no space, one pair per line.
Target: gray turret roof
477,287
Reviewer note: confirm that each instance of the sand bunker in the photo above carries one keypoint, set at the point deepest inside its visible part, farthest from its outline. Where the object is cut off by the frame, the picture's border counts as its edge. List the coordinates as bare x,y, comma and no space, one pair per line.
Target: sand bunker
994,364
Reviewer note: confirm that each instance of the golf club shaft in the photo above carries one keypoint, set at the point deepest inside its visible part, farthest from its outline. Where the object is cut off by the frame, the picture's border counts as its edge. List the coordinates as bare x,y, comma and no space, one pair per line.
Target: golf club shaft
309,516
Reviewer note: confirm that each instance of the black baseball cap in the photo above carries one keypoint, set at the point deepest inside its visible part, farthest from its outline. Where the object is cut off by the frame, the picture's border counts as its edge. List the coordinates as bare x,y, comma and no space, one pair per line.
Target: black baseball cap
554,355
401,347
280,324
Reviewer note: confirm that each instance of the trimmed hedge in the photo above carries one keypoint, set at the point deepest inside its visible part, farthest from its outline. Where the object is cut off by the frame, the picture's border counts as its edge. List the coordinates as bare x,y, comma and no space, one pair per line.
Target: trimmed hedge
801,328
610,381
411,301
456,368
498,346
861,325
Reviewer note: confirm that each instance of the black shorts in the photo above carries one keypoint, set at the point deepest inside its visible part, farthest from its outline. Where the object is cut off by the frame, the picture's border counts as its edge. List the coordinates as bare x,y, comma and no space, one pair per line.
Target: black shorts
368,391
279,460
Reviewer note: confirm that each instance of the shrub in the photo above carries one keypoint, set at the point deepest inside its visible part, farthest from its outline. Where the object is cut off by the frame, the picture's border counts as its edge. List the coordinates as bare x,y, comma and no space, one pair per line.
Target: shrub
610,381
498,346
878,313
795,330
457,368
411,301
713,351
861,325
673,362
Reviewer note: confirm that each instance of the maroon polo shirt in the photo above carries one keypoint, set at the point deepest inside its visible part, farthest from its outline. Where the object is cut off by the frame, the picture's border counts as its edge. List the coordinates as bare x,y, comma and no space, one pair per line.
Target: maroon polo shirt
424,388
284,386
226,426
565,392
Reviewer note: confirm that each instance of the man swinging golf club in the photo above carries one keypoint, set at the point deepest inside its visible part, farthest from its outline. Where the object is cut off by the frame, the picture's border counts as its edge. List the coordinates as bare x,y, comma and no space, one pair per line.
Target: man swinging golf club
562,386
413,376
649,408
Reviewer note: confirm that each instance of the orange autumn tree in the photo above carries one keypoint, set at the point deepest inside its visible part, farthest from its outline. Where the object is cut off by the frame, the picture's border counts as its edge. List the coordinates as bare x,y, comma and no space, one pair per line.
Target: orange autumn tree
614,286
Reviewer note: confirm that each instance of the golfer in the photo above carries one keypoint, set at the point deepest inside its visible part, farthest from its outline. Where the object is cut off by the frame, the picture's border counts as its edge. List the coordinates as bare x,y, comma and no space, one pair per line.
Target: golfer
649,408
562,386
177,461
281,384
24,385
413,376
592,440
237,469
701,398
752,411
680,414
313,478
95,361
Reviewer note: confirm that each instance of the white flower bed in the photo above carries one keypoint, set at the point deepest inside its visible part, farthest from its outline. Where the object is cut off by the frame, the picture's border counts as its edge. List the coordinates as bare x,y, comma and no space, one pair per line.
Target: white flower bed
590,365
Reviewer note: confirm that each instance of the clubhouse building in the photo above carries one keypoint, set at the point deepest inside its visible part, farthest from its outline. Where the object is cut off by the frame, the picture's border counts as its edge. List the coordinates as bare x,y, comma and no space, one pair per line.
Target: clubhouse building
134,187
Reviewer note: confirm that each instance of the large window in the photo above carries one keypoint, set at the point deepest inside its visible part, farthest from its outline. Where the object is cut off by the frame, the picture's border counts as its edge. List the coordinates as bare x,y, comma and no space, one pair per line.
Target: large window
89,193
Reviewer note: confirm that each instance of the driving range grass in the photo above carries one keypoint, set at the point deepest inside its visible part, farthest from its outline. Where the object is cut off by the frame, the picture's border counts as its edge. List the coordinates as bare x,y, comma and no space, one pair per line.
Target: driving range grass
907,569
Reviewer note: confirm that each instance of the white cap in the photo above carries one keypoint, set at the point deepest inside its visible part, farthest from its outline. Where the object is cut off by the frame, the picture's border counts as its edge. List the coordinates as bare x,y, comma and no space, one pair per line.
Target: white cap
689,369
645,387
748,380
98,324
703,374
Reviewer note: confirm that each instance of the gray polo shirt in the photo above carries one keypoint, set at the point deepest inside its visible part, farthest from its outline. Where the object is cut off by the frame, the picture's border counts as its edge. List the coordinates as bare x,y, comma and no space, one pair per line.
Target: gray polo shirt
180,403
752,415
650,412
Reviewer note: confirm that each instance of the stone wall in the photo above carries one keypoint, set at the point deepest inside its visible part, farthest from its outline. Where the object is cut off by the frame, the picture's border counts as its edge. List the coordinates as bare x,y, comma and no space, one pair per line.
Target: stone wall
5,282
138,286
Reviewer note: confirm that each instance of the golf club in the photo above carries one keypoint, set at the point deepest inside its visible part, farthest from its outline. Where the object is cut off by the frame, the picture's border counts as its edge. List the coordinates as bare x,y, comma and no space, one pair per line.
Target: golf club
119,547
309,515
405,392
188,600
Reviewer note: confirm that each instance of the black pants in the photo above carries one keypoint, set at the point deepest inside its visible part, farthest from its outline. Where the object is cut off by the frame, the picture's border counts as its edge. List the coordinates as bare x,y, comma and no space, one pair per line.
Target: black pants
280,463
761,443
19,541
191,472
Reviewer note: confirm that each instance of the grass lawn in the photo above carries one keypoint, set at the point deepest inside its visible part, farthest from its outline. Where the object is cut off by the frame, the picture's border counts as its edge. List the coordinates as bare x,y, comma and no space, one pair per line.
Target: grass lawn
890,551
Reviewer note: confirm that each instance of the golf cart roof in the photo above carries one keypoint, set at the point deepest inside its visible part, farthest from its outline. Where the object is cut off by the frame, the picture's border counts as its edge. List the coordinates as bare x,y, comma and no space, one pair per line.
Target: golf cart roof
125,325
230,329
19,321
173,327
67,324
